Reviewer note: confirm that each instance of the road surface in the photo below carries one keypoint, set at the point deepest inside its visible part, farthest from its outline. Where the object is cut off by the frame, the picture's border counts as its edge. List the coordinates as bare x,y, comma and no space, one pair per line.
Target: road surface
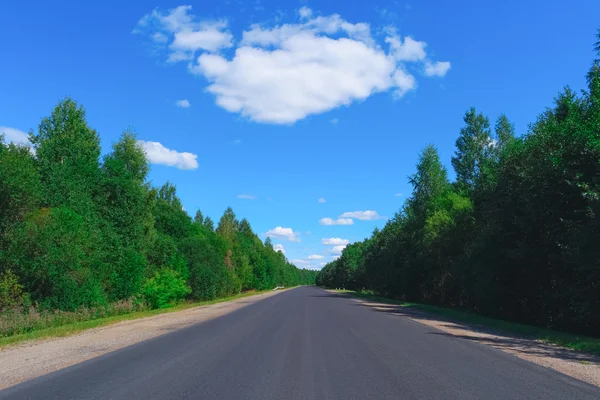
305,343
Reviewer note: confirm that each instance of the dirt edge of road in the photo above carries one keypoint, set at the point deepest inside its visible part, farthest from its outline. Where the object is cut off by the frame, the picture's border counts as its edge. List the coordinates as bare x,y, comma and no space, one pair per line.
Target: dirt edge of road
31,359
584,367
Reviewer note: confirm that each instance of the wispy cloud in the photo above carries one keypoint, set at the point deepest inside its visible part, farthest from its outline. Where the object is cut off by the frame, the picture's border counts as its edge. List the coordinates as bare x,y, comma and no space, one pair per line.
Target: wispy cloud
339,221
185,103
315,257
246,197
367,215
322,200
399,195
439,68
159,154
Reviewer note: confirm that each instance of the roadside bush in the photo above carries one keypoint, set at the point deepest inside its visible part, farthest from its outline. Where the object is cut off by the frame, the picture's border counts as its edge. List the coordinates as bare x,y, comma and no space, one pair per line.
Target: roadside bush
11,292
164,289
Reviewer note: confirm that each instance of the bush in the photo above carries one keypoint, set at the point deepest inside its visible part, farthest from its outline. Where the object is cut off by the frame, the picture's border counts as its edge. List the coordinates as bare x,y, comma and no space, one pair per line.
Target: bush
164,289
11,292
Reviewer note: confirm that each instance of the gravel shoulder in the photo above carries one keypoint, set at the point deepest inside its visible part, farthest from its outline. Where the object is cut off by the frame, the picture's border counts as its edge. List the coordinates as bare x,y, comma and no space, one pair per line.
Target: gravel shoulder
31,359
584,367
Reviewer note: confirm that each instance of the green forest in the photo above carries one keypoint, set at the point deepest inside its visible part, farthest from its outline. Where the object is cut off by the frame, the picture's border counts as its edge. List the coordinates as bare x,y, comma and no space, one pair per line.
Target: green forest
83,231
515,236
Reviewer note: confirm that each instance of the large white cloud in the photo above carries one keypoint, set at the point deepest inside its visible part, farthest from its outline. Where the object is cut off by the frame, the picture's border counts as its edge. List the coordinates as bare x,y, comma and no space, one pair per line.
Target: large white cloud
283,233
159,154
367,215
12,135
334,241
284,73
339,221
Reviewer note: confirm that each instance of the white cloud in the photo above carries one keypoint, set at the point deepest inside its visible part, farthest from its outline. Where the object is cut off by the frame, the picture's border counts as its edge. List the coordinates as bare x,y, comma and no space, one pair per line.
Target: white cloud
279,247
315,257
281,74
12,135
334,241
339,221
236,141
185,103
439,68
322,200
367,215
399,195
246,197
338,249
284,233
334,121
407,50
308,232
159,154
186,34
305,12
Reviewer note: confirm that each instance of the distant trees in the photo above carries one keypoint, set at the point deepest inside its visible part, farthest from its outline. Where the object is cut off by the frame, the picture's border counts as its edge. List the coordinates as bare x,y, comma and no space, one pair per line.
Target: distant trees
516,236
80,231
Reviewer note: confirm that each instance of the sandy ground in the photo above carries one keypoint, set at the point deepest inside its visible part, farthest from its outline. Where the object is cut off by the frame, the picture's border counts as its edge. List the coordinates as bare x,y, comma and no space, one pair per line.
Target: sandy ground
580,366
28,360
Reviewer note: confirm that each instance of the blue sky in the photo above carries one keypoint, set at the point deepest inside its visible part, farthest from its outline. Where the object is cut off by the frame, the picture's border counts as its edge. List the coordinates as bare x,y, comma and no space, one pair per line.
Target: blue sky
288,102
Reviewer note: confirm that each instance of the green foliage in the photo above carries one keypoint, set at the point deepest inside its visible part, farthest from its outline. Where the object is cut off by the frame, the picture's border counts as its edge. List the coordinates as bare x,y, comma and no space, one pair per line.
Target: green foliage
68,151
11,292
53,254
515,237
164,289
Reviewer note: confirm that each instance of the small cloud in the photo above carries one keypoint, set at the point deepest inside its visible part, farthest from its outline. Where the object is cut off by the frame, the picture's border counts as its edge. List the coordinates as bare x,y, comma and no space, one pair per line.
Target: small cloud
338,249
399,194
339,221
308,233
368,215
439,68
185,103
236,141
322,200
159,154
279,247
246,197
315,257
283,233
334,241
269,198
305,12
335,257
12,135
334,121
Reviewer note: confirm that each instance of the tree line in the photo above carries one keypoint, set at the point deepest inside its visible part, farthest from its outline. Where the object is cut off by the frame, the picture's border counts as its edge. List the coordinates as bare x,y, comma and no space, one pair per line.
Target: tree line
80,230
516,235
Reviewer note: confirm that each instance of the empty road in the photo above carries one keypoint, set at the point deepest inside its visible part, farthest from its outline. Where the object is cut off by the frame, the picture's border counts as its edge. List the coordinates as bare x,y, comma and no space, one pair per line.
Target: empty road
305,343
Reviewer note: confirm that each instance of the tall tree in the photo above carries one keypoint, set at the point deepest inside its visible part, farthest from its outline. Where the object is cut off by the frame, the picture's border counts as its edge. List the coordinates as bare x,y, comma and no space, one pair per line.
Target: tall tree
68,152
472,147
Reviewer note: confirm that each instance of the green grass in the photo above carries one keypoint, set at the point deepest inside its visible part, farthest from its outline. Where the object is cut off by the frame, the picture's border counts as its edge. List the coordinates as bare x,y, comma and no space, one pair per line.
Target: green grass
569,340
75,327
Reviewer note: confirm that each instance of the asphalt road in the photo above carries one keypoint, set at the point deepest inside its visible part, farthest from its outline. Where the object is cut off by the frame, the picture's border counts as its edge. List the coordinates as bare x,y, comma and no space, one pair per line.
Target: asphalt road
305,344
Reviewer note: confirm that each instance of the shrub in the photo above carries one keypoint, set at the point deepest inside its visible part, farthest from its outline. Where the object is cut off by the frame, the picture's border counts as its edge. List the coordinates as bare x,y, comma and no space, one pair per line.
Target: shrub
164,289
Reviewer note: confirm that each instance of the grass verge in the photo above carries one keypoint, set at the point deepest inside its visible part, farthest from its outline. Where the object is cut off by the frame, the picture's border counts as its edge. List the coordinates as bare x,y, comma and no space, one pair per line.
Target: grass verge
75,327
569,340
